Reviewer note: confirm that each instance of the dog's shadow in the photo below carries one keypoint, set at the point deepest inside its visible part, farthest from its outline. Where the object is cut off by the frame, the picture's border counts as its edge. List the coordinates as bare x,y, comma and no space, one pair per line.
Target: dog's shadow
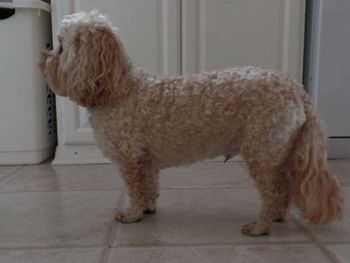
194,226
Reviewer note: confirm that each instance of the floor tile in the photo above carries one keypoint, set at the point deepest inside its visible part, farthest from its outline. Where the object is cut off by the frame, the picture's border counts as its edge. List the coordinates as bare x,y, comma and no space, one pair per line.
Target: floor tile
342,252
6,170
341,169
339,230
221,254
63,178
78,255
45,219
206,175
203,217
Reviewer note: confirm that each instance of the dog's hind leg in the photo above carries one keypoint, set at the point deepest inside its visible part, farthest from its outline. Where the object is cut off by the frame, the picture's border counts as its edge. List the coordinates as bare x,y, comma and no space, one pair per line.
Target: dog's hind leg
265,150
274,196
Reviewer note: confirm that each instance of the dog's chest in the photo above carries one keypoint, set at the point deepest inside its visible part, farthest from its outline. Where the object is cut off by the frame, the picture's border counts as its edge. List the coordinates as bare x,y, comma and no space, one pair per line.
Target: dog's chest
107,133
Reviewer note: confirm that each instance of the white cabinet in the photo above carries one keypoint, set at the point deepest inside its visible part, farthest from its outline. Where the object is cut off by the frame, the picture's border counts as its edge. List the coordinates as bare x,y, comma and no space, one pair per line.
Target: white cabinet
186,36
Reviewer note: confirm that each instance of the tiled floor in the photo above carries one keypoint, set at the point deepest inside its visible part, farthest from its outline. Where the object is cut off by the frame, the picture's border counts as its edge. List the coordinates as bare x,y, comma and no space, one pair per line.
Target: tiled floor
65,214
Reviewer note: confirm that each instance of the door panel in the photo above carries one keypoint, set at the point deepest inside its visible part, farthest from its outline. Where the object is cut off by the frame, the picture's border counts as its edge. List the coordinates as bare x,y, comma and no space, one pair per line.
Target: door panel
221,34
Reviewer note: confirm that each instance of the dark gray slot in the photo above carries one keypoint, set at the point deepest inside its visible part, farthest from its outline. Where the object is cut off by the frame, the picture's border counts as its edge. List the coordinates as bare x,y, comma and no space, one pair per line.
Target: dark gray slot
6,13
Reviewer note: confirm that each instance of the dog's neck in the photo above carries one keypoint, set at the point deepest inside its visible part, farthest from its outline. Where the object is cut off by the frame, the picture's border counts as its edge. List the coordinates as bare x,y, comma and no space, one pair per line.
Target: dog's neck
124,86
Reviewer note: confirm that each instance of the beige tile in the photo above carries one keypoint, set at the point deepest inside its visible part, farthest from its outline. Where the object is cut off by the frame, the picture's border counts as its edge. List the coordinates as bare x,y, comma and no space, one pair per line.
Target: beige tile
45,219
342,252
78,255
203,217
339,230
63,178
221,254
7,170
206,175
341,168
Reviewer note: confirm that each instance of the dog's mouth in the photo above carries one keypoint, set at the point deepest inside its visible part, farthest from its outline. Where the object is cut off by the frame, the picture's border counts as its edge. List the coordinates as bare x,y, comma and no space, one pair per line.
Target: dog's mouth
49,65
42,64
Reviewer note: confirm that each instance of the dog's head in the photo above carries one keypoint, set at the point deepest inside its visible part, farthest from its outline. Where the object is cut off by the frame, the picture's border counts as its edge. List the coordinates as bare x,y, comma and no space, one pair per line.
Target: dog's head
89,62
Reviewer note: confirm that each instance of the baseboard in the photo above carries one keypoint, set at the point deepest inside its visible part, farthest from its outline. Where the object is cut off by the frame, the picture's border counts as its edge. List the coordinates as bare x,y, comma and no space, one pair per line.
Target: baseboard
339,148
78,154
90,154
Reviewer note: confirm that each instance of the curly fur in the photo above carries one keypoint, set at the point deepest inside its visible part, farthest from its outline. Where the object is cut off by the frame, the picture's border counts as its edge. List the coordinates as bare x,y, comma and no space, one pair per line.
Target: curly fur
146,123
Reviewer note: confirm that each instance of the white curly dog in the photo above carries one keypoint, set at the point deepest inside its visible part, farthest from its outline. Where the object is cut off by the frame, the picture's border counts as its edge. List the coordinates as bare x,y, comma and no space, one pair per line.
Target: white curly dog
145,122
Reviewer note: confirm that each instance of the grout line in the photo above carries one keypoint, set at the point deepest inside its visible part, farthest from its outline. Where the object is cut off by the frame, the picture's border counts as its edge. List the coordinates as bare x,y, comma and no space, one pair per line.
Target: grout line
120,189
62,191
332,243
112,231
241,243
106,248
50,247
114,227
207,188
318,242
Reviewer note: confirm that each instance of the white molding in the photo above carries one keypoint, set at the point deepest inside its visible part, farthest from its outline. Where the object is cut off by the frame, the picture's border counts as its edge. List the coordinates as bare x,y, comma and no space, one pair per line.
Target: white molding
293,37
190,36
77,5
202,35
74,133
170,37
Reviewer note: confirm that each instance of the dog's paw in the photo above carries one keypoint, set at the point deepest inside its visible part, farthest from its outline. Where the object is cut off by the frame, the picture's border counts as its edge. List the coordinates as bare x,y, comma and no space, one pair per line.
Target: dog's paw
254,229
129,216
148,211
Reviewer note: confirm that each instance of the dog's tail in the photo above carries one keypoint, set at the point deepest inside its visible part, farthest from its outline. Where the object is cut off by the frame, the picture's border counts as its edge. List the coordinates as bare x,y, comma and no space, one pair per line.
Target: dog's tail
313,189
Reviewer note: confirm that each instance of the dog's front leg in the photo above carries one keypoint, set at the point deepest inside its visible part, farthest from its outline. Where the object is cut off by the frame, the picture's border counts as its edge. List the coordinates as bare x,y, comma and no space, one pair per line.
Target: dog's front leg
134,179
142,186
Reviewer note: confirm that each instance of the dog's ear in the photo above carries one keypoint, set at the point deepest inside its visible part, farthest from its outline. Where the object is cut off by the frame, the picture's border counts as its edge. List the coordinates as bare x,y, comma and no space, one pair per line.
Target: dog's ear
98,64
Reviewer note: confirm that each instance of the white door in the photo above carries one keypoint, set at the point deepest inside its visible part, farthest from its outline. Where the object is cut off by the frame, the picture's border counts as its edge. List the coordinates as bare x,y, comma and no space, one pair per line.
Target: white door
186,36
